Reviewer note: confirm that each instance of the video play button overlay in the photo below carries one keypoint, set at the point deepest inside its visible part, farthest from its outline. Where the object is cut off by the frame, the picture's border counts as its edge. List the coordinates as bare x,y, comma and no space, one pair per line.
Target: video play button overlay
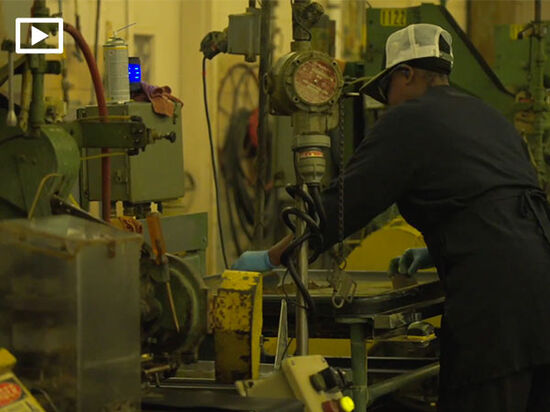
37,35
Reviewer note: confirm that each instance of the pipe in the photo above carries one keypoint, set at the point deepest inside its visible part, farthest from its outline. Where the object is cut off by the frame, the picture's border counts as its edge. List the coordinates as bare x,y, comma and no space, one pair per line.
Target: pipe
11,119
96,39
97,15
102,110
37,109
263,127
377,390
302,328
359,365
538,11
26,97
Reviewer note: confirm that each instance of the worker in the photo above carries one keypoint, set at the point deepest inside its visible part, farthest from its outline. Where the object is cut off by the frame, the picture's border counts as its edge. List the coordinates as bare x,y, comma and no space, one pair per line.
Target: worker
460,173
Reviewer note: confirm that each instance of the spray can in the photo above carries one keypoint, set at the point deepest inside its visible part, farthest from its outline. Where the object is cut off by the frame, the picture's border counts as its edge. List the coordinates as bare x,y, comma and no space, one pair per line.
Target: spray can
115,54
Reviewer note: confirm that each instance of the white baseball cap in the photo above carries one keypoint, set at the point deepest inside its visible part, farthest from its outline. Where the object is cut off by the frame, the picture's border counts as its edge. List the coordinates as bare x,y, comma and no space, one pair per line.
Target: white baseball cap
422,45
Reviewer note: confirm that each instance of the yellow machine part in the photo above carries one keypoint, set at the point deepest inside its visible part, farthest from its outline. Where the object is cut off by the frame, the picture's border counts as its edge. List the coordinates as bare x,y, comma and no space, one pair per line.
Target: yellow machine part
237,326
14,397
376,250
294,381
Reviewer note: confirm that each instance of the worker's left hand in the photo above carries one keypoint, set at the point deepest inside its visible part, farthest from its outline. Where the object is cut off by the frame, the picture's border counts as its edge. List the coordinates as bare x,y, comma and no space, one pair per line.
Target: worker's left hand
410,262
254,261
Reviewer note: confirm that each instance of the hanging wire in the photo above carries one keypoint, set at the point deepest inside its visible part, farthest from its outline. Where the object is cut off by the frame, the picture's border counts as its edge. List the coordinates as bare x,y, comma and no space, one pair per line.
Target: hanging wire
213,159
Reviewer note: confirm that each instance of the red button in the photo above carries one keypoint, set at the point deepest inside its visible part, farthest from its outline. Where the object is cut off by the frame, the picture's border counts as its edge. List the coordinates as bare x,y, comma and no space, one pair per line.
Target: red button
330,406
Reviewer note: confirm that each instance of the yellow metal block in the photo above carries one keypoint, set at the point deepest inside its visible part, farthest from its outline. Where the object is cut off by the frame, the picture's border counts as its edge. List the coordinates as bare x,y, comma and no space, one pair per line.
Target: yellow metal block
14,397
376,250
237,325
7,361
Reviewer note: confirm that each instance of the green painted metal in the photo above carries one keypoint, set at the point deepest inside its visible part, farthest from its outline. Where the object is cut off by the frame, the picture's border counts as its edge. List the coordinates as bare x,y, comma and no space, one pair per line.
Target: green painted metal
37,109
536,139
155,174
25,161
470,72
512,55
521,62
185,236
114,134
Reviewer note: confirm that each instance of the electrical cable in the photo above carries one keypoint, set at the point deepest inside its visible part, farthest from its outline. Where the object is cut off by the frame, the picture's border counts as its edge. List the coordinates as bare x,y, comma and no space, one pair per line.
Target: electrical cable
285,292
39,192
314,219
286,348
39,391
213,158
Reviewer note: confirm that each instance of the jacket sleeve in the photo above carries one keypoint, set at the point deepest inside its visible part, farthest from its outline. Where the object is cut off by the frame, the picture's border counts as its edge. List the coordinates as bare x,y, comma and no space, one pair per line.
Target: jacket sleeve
379,173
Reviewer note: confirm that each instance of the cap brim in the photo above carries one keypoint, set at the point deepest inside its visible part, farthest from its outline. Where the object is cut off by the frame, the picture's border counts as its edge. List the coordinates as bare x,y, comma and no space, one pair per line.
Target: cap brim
372,87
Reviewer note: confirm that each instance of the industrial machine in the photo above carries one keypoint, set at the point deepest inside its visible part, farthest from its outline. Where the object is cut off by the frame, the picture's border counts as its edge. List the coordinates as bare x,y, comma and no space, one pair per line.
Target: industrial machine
107,314
92,311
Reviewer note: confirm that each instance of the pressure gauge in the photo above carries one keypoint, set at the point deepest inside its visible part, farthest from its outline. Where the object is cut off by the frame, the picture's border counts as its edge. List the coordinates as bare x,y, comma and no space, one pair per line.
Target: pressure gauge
307,80
316,82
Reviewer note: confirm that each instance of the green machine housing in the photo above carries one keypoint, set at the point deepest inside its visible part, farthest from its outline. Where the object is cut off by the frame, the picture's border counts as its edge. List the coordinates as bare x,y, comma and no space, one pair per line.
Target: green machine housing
155,174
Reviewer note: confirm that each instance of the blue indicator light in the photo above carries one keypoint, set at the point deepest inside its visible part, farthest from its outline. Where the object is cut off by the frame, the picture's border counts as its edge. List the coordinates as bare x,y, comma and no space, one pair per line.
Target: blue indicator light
134,73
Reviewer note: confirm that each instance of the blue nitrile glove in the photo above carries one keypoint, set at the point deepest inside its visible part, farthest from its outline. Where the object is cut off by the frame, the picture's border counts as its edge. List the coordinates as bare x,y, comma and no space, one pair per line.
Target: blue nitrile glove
410,262
253,261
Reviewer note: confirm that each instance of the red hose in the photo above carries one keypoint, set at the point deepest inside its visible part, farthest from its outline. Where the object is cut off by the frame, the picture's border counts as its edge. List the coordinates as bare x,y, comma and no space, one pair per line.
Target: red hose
102,110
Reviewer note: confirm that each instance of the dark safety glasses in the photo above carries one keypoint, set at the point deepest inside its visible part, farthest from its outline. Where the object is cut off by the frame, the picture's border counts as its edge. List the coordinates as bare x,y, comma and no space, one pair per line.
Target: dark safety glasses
384,83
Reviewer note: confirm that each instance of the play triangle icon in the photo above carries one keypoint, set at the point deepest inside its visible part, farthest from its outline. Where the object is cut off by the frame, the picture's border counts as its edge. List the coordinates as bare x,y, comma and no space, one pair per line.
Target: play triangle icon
37,35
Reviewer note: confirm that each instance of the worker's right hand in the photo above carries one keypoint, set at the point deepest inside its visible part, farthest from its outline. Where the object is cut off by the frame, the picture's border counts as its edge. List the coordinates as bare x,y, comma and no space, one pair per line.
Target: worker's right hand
410,262
254,261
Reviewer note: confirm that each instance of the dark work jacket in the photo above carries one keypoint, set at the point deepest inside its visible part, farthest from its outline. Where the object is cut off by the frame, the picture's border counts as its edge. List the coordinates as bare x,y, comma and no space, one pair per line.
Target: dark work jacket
460,174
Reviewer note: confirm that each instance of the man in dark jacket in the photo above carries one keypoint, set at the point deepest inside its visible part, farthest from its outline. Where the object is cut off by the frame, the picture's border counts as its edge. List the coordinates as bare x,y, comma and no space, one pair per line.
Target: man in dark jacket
460,174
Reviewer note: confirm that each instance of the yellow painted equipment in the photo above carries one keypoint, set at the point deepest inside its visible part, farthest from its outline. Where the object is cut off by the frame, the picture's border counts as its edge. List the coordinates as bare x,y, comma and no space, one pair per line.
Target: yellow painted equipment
237,325
294,381
376,250
14,397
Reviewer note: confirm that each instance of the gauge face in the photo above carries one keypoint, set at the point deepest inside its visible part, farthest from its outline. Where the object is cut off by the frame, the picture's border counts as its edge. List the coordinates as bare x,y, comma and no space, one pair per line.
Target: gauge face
315,81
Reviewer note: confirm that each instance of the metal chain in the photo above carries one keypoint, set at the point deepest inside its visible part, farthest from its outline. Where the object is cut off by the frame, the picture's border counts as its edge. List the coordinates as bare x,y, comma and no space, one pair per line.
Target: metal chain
341,167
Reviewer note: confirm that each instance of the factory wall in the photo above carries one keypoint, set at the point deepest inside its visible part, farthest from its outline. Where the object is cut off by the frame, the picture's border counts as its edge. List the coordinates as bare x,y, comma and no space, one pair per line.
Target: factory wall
173,29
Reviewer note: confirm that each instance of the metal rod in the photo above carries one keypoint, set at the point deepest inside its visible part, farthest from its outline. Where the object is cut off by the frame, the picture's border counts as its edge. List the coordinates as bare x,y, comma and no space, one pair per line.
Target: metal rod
263,132
359,366
37,110
97,18
11,119
172,306
302,327
391,385
538,11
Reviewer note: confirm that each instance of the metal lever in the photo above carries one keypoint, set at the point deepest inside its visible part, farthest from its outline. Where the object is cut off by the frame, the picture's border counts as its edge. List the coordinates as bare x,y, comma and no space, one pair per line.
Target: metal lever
11,119
282,337
159,249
